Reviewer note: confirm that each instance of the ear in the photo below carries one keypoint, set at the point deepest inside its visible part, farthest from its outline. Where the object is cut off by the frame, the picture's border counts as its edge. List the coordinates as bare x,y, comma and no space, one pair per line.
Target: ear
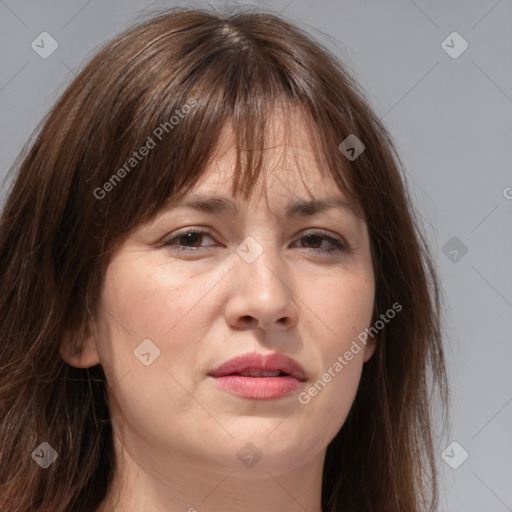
369,348
78,349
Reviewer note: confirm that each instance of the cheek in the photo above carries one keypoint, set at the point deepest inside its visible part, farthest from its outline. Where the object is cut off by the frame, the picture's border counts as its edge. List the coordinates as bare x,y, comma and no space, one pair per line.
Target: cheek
344,310
327,401
343,306
152,303
140,305
144,300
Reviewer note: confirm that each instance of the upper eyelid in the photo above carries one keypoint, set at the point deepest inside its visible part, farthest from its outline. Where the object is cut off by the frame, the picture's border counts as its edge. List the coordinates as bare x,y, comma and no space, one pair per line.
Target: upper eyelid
201,230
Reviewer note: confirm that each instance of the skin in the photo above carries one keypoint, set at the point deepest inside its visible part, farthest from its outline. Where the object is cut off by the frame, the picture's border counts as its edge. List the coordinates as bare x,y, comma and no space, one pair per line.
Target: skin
176,433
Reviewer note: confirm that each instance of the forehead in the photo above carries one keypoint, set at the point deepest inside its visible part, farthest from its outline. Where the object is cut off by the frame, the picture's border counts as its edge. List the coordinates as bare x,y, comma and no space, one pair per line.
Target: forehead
292,162
294,179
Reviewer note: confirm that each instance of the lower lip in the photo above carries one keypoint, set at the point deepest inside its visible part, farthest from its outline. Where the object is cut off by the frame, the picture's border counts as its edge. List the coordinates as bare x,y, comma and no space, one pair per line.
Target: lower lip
262,388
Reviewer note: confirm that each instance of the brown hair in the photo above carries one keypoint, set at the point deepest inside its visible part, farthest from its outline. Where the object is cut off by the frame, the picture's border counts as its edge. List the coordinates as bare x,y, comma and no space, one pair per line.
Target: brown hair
59,226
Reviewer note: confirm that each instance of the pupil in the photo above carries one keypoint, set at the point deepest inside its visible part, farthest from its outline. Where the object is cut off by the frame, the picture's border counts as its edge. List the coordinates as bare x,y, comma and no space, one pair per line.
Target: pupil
189,238
314,237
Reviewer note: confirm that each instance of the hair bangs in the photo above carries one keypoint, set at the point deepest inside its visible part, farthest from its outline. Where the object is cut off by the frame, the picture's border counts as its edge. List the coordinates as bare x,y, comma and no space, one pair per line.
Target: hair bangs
161,157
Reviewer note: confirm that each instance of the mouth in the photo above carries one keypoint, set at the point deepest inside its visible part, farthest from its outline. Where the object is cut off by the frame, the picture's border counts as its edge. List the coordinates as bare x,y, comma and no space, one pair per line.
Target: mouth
259,366
259,373
259,376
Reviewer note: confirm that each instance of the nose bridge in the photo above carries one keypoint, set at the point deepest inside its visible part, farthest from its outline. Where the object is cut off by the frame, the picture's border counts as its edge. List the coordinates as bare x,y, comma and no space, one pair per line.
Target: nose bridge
261,263
263,290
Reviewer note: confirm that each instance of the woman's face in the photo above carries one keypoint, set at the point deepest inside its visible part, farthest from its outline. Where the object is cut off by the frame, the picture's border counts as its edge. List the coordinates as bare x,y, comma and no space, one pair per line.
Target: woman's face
174,307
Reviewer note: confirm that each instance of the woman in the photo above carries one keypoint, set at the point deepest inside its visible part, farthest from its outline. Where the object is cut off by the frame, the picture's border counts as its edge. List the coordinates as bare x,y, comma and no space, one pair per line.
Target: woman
214,293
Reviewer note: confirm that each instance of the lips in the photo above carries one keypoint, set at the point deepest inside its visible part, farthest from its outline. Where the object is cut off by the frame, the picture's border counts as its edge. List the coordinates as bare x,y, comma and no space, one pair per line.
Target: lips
260,366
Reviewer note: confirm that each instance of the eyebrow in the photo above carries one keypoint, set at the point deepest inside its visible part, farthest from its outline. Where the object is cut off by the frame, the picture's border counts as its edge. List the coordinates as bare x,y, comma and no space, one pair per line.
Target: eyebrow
218,205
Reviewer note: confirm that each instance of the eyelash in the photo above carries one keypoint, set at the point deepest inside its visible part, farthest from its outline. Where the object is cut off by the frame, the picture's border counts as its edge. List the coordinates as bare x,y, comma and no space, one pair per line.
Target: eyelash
338,246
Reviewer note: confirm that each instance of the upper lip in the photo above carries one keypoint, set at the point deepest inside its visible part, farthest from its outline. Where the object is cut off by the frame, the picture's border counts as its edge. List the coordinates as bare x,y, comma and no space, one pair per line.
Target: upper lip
255,361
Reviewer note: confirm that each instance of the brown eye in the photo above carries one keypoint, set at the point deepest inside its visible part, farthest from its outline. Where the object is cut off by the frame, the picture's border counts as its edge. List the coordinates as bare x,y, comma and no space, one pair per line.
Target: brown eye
316,239
187,240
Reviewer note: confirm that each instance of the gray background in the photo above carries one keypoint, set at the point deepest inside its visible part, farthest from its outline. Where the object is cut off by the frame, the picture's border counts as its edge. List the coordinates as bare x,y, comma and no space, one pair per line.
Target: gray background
451,118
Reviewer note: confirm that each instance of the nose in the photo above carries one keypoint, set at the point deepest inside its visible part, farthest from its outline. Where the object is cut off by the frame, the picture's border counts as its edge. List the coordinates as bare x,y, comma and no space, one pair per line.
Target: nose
262,294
